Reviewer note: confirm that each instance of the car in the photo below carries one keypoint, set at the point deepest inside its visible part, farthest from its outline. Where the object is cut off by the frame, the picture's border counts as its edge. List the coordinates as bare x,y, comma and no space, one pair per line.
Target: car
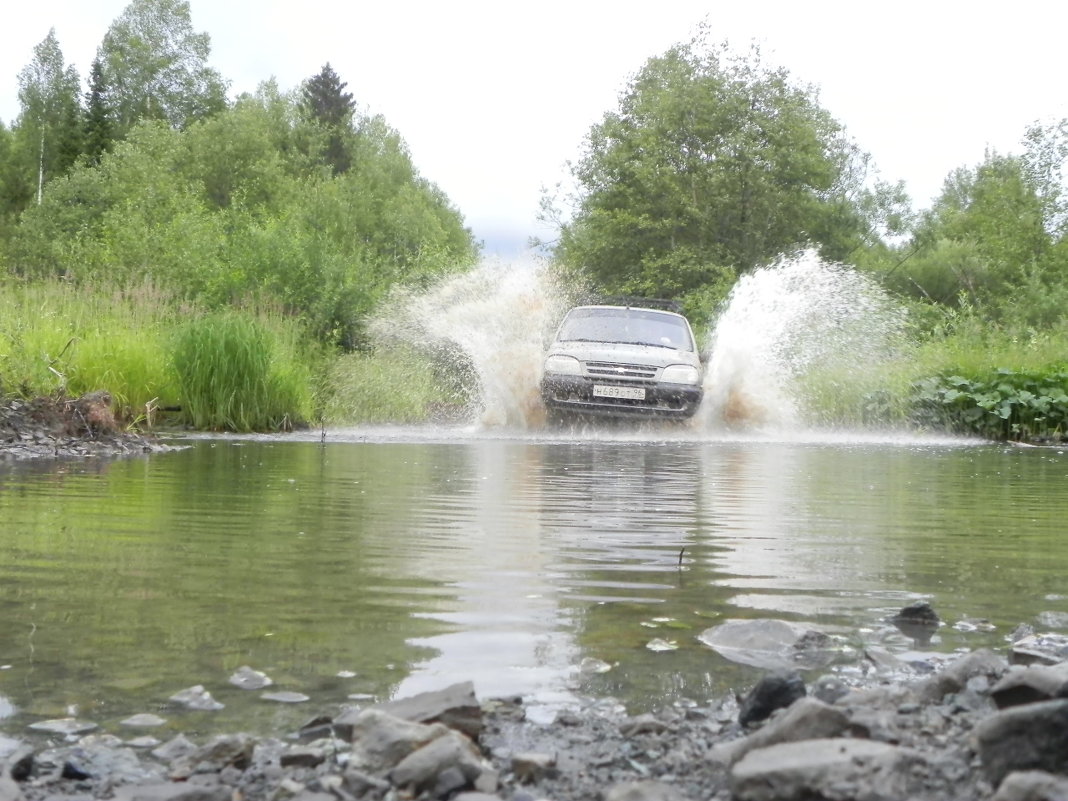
638,359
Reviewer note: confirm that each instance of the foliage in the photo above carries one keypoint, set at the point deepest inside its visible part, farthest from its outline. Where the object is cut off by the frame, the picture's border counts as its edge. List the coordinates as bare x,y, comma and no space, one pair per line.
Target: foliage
1006,405
713,162
231,208
50,121
235,373
155,67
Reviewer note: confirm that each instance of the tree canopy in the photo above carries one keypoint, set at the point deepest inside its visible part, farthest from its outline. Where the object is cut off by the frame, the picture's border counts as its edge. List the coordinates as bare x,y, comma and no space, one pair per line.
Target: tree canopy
155,66
712,164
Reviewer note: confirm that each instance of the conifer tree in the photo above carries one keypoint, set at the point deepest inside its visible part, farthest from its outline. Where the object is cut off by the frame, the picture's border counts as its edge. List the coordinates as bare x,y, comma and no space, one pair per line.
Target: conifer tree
325,102
98,127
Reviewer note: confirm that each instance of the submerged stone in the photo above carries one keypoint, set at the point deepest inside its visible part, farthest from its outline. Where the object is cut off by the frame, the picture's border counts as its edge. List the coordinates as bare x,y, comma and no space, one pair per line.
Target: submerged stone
196,697
286,697
144,720
248,679
66,726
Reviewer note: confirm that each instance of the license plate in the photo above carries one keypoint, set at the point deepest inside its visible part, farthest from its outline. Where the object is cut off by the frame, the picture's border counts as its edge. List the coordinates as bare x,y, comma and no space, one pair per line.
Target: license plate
630,393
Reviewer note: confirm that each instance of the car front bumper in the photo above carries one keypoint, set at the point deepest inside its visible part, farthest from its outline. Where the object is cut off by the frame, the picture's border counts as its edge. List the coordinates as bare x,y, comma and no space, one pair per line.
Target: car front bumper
575,395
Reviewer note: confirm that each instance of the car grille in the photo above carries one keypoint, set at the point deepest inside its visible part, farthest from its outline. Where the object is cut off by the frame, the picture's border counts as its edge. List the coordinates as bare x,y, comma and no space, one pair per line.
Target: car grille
614,370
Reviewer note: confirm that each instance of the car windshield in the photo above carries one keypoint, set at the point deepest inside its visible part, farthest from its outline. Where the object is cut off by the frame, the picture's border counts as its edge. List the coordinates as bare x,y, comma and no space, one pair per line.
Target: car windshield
632,326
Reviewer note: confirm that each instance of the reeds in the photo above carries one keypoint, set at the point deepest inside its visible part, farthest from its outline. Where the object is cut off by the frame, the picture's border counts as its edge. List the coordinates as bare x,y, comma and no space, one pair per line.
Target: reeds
235,373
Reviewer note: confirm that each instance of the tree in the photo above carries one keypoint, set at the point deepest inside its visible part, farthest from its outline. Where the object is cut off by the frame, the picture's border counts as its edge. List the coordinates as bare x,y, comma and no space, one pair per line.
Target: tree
1045,157
712,164
983,239
50,116
155,67
325,102
98,127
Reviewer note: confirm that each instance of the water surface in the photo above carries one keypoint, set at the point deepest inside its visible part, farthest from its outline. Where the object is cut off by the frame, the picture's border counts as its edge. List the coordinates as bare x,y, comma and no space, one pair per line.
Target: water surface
383,562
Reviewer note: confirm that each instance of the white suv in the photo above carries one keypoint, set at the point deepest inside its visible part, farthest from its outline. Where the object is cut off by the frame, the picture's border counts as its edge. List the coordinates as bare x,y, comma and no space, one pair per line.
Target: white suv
623,361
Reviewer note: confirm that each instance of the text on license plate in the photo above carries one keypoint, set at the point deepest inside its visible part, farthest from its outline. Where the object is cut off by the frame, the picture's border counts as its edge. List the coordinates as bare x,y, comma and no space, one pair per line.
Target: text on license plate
630,393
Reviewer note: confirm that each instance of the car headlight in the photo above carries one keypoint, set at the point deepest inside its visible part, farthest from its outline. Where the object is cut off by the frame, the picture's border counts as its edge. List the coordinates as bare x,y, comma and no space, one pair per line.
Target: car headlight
680,374
567,365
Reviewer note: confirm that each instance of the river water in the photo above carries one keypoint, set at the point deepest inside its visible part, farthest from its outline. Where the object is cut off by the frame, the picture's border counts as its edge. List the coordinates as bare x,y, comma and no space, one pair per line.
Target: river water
382,562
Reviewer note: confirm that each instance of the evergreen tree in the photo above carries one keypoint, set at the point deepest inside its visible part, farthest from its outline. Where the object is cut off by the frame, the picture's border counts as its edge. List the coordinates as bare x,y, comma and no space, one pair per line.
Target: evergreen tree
98,127
325,102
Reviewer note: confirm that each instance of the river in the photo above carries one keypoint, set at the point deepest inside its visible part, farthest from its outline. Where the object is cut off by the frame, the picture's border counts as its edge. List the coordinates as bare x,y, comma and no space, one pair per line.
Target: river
378,562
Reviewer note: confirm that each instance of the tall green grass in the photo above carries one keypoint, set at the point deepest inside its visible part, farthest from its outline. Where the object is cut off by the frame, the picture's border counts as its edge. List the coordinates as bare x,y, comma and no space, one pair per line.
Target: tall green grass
241,369
57,338
394,385
238,373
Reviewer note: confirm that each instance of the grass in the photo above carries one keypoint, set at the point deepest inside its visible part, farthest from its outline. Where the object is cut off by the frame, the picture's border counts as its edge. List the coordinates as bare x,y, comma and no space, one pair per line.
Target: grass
245,369
395,385
239,373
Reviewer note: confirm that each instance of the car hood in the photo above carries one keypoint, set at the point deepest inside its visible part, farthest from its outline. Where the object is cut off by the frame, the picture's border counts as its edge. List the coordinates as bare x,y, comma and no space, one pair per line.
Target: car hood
625,354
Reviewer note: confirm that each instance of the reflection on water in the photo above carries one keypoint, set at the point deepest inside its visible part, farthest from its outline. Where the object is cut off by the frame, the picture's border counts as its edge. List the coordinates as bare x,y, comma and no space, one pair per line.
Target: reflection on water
379,564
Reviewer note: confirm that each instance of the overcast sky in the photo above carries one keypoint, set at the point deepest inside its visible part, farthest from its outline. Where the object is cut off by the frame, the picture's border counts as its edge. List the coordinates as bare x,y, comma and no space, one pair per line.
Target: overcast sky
493,98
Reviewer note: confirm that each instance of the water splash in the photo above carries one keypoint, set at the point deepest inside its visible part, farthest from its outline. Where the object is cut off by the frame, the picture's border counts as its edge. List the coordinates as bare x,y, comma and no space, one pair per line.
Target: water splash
493,323
783,321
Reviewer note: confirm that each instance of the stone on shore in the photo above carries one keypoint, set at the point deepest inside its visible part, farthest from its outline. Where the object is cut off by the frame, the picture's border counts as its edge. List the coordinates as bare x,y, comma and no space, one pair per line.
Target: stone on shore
1028,737
776,691
805,719
455,706
830,769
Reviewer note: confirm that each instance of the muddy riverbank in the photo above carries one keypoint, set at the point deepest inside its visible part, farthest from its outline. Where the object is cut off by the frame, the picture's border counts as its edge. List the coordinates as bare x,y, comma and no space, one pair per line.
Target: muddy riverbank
67,428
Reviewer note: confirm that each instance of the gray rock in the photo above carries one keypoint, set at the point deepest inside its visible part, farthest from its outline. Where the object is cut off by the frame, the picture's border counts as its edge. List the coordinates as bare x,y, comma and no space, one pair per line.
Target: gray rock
832,770
172,791
530,767
420,770
1032,785
806,719
768,643
175,748
1027,685
196,697
69,727
286,697
380,741
643,791
1039,649
455,706
955,676
776,691
643,724
144,720
248,679
1033,736
362,785
302,758
223,751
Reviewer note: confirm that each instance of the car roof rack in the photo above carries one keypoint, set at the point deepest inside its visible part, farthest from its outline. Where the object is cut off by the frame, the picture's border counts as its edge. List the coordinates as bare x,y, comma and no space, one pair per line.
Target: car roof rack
662,304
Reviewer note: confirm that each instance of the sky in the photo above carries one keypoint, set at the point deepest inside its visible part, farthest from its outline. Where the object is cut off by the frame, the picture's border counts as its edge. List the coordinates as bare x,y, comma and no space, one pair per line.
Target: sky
495,98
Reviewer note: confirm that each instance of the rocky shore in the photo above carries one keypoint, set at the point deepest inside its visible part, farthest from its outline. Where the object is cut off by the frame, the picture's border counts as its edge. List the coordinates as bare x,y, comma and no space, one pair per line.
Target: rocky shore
981,725
66,428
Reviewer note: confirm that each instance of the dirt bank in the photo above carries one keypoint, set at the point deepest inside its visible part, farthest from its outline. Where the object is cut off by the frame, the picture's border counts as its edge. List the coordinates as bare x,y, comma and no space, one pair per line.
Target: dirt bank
67,428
